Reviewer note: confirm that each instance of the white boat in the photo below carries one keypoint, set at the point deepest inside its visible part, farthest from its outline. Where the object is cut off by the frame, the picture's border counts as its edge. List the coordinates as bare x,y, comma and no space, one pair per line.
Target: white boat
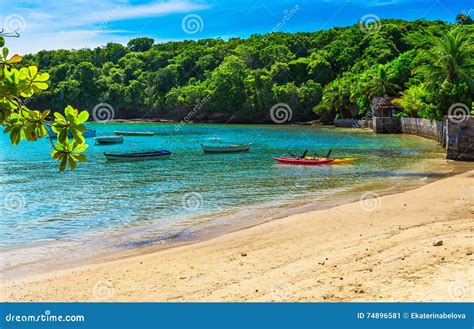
109,139
134,133
138,156
228,148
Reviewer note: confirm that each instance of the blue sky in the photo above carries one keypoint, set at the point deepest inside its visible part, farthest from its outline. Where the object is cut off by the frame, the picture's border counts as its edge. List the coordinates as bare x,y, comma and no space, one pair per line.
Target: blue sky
54,24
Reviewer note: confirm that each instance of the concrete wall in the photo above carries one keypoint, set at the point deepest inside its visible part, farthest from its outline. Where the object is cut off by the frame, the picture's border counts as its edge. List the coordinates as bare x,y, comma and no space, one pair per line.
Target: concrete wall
422,127
413,126
459,138
353,123
387,125
455,134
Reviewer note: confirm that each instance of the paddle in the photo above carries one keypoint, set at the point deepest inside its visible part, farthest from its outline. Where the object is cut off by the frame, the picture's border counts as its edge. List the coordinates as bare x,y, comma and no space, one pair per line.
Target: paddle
329,153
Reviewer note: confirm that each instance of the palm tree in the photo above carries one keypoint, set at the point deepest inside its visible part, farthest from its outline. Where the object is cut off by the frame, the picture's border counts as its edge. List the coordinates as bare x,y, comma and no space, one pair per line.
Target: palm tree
334,97
380,84
452,57
414,101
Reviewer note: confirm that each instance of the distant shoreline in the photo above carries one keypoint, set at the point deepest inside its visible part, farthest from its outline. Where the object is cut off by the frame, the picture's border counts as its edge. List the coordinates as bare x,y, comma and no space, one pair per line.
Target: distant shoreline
159,120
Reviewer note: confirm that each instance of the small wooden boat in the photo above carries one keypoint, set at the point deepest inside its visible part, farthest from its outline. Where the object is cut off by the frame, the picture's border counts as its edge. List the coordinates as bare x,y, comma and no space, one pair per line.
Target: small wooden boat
109,139
303,161
88,133
133,133
230,148
138,156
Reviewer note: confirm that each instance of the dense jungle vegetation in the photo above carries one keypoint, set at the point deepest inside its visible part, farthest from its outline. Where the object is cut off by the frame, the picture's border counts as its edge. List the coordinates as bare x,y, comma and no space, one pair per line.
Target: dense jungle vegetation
426,65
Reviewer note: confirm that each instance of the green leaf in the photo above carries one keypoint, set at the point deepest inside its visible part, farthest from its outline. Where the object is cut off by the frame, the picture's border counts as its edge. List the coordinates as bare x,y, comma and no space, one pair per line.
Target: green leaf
62,136
80,157
63,164
77,136
83,116
81,148
59,116
45,113
72,163
33,70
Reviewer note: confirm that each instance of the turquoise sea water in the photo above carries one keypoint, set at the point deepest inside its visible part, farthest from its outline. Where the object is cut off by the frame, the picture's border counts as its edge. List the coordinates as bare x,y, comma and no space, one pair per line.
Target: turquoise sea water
141,203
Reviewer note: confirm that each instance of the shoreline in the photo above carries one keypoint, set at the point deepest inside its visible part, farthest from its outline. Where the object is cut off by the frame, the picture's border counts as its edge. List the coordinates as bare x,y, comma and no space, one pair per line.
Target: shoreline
29,261
292,259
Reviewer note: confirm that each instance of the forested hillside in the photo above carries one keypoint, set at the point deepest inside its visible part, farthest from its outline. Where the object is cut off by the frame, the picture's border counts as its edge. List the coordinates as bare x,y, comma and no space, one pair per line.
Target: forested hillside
427,65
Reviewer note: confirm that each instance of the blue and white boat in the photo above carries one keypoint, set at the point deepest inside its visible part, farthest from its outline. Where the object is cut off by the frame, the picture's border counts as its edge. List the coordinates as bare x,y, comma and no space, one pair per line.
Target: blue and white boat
138,156
109,139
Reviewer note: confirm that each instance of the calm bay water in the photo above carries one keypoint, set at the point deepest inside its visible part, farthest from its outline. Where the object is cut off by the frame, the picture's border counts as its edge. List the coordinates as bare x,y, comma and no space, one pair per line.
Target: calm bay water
137,203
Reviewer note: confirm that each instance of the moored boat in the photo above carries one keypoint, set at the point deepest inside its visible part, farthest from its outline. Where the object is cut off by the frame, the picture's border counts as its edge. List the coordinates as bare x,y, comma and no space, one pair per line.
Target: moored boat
343,160
335,161
138,156
88,133
133,133
303,161
229,148
109,139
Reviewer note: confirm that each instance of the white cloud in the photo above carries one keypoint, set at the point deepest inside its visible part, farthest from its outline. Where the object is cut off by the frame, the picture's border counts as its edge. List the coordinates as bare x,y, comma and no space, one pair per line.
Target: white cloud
58,24
76,39
148,10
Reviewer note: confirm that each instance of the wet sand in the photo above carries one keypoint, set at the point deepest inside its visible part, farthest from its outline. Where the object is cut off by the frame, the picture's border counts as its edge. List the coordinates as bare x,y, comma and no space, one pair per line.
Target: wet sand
380,249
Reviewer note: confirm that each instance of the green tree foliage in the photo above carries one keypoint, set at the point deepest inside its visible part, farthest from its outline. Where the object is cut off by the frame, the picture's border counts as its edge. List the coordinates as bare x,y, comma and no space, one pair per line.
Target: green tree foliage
447,76
451,58
416,100
319,74
380,84
140,44
464,19
17,86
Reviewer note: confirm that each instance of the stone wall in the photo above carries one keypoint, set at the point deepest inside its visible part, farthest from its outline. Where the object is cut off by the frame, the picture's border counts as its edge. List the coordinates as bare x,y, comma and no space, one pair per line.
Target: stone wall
413,126
454,133
422,127
353,123
459,138
387,125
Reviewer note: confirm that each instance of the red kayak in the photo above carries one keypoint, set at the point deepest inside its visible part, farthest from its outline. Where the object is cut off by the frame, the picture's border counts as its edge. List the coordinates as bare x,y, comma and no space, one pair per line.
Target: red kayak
309,162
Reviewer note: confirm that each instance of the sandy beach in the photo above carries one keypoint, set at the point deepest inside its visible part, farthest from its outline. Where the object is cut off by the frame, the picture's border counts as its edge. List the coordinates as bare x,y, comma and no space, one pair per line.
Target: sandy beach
378,250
